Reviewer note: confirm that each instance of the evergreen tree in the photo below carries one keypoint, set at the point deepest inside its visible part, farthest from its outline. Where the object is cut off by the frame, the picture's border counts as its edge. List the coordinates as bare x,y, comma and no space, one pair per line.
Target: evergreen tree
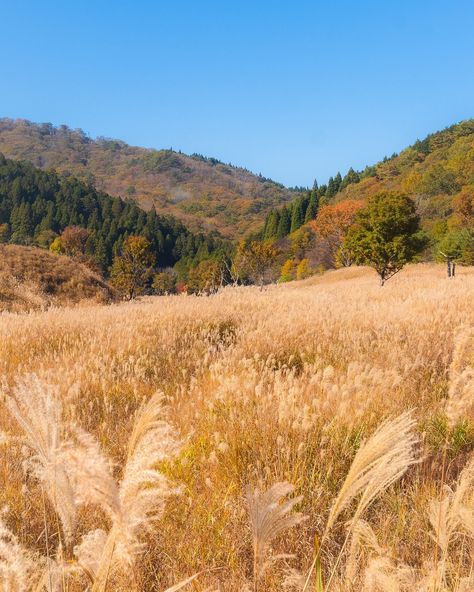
271,226
312,208
284,224
351,177
297,215
331,188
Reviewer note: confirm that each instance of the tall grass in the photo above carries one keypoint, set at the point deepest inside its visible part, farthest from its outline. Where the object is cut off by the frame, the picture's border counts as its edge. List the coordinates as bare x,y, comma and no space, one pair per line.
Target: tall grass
180,441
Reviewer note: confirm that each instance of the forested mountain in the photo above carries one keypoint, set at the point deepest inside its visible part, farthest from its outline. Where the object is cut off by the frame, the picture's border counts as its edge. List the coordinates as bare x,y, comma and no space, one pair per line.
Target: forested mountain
436,174
432,171
202,192
36,206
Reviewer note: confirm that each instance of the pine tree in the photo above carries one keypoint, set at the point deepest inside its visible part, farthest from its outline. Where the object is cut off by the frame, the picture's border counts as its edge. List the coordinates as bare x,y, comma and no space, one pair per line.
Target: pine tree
271,227
331,188
312,208
297,215
284,224
351,177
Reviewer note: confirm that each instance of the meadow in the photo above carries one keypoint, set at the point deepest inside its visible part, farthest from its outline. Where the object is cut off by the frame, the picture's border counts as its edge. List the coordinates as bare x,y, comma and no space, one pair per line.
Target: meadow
316,435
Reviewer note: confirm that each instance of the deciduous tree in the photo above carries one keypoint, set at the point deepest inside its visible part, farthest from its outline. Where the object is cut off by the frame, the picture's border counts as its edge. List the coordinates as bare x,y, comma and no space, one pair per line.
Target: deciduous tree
206,277
386,234
288,271
132,269
303,270
254,260
74,240
333,223
164,282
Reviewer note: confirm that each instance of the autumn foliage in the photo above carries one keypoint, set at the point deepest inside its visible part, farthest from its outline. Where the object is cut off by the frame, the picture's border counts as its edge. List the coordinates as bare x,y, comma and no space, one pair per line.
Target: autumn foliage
332,224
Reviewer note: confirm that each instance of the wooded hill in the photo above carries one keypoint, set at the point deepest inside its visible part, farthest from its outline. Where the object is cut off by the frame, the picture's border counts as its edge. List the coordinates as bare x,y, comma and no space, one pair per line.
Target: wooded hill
432,172
36,206
202,192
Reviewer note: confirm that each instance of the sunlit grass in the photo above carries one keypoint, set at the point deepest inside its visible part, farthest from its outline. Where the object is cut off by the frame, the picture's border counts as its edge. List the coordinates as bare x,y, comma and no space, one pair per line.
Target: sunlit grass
258,388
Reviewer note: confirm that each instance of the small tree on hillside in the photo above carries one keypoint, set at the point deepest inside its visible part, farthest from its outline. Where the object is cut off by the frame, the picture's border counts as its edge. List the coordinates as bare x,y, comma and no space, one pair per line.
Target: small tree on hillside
288,271
254,261
301,241
304,270
386,234
74,241
133,268
164,282
207,277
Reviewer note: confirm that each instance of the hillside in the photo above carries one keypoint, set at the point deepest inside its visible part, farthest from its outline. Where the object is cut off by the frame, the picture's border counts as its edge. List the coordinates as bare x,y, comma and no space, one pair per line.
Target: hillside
432,171
36,206
301,383
435,172
32,278
203,192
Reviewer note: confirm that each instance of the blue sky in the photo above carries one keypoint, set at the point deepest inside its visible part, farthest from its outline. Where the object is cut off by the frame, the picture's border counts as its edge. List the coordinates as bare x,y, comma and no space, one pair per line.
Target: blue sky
294,90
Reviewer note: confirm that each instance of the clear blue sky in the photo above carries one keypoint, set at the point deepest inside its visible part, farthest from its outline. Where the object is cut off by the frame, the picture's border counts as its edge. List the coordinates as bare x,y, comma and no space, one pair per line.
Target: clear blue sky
294,90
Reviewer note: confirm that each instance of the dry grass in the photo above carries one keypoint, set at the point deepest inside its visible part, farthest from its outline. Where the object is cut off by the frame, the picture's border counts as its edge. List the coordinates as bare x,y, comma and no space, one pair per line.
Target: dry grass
32,279
305,383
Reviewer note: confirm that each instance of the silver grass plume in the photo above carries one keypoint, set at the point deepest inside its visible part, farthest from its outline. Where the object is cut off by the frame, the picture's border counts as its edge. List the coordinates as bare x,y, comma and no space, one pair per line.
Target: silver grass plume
453,514
142,492
363,539
270,515
461,377
378,463
66,460
37,410
16,564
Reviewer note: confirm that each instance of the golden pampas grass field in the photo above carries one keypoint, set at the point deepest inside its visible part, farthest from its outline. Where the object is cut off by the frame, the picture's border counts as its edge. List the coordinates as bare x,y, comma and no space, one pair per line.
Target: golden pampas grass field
316,435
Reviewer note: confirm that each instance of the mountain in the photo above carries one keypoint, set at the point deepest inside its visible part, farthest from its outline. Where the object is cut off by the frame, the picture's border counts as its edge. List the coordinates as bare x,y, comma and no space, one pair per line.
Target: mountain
202,192
32,278
433,171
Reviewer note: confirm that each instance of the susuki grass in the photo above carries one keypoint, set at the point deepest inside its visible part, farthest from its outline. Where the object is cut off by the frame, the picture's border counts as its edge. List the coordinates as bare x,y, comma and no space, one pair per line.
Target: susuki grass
316,435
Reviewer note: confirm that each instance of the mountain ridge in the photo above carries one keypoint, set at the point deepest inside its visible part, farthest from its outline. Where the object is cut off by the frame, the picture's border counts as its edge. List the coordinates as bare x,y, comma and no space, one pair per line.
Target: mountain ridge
203,192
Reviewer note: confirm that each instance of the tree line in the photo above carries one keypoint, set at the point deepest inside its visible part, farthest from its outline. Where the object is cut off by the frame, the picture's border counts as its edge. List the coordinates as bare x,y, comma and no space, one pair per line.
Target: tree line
142,252
383,232
283,221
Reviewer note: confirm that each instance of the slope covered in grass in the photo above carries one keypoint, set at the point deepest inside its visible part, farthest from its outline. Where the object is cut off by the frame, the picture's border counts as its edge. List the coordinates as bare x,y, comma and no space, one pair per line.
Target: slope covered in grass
333,385
32,278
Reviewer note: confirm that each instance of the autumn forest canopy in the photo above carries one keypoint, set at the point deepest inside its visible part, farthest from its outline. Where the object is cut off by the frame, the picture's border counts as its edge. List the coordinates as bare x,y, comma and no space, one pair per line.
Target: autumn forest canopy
416,205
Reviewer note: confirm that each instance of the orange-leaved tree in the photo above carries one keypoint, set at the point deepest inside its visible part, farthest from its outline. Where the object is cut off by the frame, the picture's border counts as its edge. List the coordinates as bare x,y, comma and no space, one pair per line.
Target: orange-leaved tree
333,222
